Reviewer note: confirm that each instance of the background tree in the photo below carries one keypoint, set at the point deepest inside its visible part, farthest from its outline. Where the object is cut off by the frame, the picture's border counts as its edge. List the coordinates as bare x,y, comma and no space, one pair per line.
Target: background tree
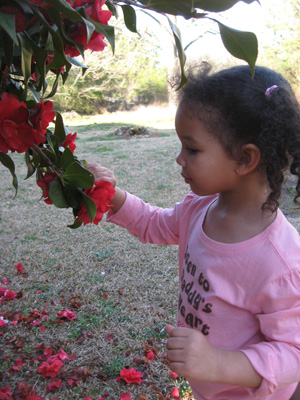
282,53
137,76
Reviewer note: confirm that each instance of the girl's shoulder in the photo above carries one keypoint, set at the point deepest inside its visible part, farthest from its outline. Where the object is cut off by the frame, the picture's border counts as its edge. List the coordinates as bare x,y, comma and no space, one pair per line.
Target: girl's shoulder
194,201
285,239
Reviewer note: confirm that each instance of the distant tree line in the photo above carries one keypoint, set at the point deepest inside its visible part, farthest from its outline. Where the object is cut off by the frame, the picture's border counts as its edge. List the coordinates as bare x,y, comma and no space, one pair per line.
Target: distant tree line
133,76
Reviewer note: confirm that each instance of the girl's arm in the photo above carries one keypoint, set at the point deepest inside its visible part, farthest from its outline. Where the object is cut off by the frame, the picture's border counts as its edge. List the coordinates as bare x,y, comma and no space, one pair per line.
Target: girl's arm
100,173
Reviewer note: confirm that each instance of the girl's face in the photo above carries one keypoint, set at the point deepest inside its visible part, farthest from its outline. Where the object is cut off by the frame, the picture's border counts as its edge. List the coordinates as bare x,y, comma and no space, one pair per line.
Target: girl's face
206,167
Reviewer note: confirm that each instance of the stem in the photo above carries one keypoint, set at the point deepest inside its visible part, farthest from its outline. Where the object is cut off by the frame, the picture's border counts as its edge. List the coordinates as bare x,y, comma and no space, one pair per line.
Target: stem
39,151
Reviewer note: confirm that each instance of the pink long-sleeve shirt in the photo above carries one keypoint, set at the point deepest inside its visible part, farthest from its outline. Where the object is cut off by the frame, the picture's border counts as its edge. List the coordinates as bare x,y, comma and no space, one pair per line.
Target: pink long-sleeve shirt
243,296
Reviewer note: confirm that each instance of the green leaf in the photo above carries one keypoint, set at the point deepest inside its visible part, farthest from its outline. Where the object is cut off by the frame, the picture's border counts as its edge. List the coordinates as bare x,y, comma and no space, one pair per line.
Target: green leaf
67,158
110,5
30,166
53,142
174,7
59,130
59,59
77,223
73,195
9,164
218,5
90,206
181,53
56,194
55,85
26,57
129,17
7,22
57,18
79,176
8,47
40,56
66,9
242,45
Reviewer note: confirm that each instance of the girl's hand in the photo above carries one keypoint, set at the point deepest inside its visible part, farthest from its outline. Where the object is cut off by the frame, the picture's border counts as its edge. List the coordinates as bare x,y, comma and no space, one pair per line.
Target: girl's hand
100,173
190,354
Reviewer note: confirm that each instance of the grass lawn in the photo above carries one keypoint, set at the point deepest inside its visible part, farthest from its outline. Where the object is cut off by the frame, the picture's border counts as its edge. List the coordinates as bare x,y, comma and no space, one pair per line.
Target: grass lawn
121,293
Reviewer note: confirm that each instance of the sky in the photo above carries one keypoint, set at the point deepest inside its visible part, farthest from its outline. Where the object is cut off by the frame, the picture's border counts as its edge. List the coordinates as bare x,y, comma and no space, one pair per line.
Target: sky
252,17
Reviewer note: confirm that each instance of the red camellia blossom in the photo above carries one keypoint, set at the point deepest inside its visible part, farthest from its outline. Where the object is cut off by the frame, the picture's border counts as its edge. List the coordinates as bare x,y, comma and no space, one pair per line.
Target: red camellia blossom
3,322
52,386
16,134
26,392
101,193
19,267
175,392
45,184
70,142
150,355
5,393
50,369
77,31
131,375
125,396
41,115
7,295
67,314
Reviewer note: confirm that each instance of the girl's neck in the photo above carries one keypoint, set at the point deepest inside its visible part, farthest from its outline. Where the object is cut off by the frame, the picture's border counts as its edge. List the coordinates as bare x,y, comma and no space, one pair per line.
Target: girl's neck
236,217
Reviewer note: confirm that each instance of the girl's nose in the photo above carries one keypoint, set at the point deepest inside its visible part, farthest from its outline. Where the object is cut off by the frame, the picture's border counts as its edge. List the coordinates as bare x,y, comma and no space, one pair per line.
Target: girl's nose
179,159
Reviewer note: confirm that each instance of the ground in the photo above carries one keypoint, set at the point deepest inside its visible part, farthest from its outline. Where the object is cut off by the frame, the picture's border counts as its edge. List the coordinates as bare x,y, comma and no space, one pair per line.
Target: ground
123,293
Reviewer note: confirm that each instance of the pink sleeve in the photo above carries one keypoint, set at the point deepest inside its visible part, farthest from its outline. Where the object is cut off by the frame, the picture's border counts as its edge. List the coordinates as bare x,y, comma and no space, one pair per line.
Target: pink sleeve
150,224
277,359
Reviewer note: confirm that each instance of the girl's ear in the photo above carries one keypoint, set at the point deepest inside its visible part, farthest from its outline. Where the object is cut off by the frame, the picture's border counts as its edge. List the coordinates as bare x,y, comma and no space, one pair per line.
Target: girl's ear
250,157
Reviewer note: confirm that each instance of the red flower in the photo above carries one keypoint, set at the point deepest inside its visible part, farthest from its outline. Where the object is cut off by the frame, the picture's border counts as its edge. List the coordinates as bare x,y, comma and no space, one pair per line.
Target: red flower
7,295
19,268
52,386
5,393
27,392
45,184
101,193
66,314
41,115
60,355
131,375
70,142
3,322
150,355
174,374
16,134
125,396
175,392
78,32
50,369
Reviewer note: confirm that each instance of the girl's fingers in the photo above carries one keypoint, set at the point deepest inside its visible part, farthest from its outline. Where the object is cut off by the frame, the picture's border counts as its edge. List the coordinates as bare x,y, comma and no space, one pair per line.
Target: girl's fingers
176,356
169,329
175,343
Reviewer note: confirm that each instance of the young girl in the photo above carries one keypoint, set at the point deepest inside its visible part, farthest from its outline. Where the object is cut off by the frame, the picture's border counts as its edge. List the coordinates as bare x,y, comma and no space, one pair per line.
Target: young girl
238,331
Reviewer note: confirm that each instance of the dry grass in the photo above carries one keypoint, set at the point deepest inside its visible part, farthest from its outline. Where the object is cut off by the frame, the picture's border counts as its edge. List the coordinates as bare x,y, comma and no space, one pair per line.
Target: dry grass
127,291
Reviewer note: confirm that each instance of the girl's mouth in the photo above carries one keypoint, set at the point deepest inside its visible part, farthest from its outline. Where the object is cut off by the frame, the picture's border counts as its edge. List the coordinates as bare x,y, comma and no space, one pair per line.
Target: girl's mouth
186,180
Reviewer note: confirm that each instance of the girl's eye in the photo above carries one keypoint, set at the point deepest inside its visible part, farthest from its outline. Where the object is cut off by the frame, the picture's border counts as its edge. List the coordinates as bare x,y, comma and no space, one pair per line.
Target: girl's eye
191,150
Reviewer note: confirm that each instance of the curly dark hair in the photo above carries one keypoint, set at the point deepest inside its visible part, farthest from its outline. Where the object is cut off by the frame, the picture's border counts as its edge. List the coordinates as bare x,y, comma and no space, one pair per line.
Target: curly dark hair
237,109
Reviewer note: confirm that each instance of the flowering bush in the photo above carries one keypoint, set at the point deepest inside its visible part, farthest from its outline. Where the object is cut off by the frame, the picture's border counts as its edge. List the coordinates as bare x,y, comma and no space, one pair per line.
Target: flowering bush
41,37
